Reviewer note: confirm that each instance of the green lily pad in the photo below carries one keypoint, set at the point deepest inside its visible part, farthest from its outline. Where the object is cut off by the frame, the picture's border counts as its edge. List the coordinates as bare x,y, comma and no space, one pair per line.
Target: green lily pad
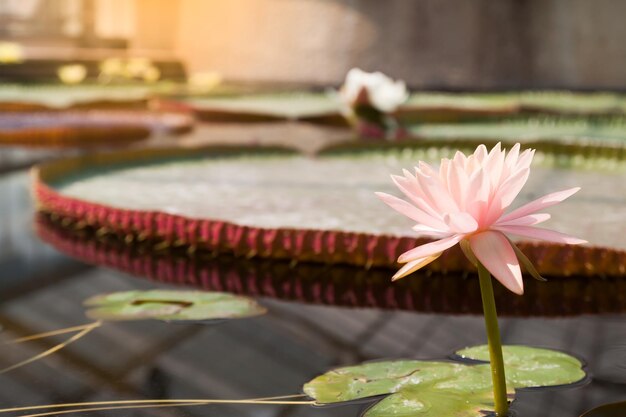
428,402
542,128
170,305
377,378
436,388
532,367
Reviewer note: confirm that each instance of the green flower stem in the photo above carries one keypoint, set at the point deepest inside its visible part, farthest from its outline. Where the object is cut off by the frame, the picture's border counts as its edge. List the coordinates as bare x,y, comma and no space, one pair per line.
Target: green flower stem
493,339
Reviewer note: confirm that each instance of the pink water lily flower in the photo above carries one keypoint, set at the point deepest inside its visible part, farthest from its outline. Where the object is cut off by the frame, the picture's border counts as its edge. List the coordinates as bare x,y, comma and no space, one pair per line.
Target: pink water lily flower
465,202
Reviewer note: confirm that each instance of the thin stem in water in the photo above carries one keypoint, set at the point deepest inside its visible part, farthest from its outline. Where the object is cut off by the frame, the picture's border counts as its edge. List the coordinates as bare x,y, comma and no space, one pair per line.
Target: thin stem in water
493,339
84,332
49,334
131,404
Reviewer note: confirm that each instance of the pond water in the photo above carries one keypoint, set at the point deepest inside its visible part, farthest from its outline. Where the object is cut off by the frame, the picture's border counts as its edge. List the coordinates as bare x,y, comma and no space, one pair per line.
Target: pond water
42,289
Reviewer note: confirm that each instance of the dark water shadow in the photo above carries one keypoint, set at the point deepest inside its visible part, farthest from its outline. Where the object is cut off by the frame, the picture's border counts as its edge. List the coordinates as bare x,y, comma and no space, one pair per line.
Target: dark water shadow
608,410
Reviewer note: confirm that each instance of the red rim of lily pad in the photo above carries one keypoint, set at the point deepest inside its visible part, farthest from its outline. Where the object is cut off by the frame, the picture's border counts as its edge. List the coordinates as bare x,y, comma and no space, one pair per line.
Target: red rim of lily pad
95,104
306,245
75,136
339,285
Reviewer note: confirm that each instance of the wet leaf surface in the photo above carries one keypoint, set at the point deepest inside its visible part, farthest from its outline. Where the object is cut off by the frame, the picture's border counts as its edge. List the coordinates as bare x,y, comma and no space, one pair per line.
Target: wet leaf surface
170,305
532,367
526,129
437,388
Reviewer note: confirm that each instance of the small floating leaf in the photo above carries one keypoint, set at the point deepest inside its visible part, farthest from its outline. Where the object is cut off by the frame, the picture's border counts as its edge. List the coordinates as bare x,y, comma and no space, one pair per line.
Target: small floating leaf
532,367
436,388
171,305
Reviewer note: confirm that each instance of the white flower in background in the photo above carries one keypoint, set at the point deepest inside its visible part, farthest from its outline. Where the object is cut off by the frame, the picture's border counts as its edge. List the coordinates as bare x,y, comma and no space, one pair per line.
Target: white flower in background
72,73
375,89
11,53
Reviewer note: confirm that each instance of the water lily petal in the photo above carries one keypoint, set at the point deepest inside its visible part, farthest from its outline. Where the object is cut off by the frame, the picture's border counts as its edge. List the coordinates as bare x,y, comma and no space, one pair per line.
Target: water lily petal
458,183
459,159
540,203
424,230
541,234
478,193
410,188
467,251
481,152
504,196
528,220
430,249
525,159
494,251
460,222
411,211
512,186
495,166
413,266
526,263
435,194
511,158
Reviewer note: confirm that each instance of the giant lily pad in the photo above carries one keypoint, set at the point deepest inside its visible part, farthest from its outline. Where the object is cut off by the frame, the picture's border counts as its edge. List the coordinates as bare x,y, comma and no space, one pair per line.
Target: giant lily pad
421,107
83,128
41,97
565,102
268,107
171,305
548,102
277,203
610,130
435,389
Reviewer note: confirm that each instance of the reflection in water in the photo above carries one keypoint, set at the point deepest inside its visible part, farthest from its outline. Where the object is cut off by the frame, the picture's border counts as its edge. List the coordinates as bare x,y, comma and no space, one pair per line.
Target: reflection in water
337,285
609,410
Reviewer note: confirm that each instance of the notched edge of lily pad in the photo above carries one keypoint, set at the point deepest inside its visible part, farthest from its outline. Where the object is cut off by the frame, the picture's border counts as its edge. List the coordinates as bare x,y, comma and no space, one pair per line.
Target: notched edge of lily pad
171,306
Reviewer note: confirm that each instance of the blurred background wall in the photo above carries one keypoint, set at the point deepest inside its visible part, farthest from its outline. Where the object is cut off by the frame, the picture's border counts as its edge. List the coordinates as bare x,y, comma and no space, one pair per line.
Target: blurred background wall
436,44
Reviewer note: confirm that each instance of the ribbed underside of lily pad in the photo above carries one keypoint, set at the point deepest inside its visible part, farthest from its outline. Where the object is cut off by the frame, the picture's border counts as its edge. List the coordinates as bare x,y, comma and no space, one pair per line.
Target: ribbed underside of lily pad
436,388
